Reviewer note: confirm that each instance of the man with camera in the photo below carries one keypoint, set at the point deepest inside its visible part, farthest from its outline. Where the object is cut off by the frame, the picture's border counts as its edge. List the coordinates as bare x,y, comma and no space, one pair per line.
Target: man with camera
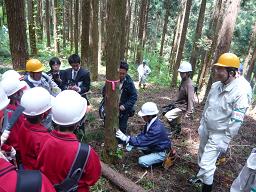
76,78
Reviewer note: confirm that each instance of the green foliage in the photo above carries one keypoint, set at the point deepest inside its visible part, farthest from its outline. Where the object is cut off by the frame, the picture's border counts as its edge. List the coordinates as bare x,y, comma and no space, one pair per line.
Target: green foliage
100,186
4,42
119,153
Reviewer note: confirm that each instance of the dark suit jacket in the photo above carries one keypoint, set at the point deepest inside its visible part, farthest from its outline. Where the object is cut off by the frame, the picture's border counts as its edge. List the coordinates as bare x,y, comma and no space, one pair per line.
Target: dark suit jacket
82,80
59,83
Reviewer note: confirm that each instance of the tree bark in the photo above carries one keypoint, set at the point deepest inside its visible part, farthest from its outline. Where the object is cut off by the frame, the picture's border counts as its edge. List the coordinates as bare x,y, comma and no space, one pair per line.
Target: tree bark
119,180
18,41
71,25
55,26
114,8
167,13
252,45
225,35
182,43
95,40
214,28
199,27
31,28
76,31
251,66
123,30
85,33
47,23
128,26
39,21
143,9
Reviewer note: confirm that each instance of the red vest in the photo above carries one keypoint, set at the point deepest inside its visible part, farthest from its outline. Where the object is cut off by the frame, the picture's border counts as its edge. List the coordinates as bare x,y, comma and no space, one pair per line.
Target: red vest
8,181
33,138
57,156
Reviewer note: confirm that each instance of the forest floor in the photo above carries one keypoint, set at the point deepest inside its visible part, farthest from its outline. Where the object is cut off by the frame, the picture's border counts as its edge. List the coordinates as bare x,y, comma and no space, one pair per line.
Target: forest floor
175,179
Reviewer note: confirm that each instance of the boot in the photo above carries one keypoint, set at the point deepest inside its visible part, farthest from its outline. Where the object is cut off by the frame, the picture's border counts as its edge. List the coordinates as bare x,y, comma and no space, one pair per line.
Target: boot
206,188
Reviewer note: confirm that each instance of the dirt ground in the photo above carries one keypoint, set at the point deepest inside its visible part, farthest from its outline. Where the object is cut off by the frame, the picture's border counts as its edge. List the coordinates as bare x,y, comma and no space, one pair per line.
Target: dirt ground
186,145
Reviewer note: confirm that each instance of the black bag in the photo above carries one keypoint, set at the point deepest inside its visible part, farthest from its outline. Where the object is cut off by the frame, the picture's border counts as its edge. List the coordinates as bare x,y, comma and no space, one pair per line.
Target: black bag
70,183
167,108
29,180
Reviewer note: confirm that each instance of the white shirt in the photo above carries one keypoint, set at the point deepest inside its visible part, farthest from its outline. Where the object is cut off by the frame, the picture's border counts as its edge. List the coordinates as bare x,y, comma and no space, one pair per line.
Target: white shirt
151,122
143,70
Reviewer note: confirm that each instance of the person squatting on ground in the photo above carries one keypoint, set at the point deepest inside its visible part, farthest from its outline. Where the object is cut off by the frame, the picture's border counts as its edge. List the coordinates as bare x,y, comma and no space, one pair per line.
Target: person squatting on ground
55,73
58,154
153,140
76,78
185,100
37,102
143,71
221,119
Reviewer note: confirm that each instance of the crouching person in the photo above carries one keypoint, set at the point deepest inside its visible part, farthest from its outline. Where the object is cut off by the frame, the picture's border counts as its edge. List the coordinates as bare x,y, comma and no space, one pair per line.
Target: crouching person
153,140
68,163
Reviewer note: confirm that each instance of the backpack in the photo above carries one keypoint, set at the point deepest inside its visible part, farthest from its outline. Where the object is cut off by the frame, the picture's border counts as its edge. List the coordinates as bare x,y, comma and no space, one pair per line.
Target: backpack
27,180
70,183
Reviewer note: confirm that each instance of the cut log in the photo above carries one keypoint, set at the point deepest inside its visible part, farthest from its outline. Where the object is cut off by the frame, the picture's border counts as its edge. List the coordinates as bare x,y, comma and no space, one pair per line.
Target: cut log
119,180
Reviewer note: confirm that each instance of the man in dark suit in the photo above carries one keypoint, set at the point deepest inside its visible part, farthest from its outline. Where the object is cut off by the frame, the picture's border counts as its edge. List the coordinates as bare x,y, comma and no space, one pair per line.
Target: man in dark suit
55,73
77,78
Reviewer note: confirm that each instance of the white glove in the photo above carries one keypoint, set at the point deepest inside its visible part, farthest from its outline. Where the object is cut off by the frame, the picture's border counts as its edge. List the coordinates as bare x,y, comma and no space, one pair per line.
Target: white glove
222,146
122,136
4,136
13,153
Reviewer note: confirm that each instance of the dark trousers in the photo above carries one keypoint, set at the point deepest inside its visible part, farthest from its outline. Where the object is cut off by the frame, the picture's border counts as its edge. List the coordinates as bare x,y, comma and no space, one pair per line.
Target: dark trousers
123,121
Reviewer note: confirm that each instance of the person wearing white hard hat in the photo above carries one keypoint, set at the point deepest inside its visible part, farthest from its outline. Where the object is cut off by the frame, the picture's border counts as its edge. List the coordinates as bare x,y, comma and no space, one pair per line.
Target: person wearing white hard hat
13,88
58,154
4,102
153,140
184,101
37,102
143,71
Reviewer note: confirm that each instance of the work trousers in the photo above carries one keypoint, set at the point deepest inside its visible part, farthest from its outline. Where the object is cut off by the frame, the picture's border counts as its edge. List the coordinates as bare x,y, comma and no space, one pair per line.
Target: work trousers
208,153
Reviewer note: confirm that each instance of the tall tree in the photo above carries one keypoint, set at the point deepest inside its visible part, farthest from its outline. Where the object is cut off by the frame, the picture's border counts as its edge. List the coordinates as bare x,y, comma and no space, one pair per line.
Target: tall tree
199,27
143,10
114,11
55,26
225,34
18,41
128,25
85,32
251,65
252,45
124,30
66,17
95,40
39,21
182,43
76,30
167,6
71,26
212,35
31,27
47,23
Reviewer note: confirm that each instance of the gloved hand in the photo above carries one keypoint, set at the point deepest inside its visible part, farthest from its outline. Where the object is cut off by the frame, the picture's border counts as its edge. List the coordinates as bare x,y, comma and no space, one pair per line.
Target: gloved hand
13,153
122,136
222,146
4,136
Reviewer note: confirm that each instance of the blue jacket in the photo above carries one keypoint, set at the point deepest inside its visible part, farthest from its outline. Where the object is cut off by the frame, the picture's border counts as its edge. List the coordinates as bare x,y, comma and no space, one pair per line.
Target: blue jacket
156,138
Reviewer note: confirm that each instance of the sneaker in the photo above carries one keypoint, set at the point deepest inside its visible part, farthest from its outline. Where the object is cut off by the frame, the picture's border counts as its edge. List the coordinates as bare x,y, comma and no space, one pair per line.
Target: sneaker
194,180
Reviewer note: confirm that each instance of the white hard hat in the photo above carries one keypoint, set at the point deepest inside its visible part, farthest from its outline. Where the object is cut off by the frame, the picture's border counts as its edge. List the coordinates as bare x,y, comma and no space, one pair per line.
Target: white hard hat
36,101
4,101
11,73
68,108
148,108
185,67
12,85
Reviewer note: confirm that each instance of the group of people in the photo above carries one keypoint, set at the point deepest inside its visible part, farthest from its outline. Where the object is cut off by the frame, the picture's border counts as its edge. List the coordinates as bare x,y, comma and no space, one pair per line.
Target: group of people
37,121
47,158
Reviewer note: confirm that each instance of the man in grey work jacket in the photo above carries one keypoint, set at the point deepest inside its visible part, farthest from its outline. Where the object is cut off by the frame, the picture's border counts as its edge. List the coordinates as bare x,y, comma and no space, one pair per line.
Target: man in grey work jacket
222,117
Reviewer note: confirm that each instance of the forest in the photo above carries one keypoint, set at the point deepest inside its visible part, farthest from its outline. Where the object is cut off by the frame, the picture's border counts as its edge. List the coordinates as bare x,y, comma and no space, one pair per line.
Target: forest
162,32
